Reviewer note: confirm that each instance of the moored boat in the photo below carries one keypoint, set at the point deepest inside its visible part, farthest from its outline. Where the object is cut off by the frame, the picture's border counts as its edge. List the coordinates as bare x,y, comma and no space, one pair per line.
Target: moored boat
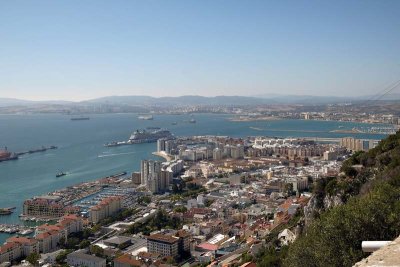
60,174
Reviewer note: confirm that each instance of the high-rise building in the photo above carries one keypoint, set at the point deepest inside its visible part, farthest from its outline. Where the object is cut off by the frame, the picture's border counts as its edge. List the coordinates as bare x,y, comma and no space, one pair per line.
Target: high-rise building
150,170
161,144
358,144
165,180
136,178
154,177
237,152
217,154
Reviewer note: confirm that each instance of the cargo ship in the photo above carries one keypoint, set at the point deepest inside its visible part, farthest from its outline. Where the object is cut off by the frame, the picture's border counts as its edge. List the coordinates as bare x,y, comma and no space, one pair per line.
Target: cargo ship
6,155
80,118
143,136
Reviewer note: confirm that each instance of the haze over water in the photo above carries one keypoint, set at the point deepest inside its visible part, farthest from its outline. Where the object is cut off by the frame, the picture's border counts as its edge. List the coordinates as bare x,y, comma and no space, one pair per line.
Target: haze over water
82,155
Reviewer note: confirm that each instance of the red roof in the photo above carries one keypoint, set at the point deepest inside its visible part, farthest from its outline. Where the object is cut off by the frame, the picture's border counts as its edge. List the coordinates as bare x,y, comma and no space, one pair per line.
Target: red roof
128,259
4,248
21,240
208,246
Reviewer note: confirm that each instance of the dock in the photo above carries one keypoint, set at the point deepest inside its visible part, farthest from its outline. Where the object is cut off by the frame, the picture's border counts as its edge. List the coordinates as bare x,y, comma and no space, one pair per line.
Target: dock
15,228
41,149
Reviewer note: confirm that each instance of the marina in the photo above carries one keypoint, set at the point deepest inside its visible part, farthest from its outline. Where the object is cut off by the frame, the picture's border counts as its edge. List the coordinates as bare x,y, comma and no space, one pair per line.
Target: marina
16,229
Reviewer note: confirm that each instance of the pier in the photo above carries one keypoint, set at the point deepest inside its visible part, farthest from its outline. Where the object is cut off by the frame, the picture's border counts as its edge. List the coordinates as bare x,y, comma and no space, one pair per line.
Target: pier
42,149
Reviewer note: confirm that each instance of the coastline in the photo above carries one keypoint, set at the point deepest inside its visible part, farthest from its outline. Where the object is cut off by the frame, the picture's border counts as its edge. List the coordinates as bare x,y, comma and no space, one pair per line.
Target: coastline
244,119
273,118
163,155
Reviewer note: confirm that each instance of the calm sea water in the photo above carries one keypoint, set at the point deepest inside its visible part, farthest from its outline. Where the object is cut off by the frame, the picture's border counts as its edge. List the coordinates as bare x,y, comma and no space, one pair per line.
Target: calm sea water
81,152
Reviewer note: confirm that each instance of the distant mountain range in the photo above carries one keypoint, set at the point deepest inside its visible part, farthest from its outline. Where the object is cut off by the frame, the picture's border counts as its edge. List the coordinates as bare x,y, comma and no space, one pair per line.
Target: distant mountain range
202,100
9,102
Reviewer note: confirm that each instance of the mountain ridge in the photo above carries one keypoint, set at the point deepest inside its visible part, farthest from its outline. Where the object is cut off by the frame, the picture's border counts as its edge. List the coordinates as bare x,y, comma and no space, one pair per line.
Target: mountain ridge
142,100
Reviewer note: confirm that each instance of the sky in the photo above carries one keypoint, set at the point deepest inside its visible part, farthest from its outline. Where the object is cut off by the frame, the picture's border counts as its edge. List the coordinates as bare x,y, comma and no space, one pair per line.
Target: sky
77,50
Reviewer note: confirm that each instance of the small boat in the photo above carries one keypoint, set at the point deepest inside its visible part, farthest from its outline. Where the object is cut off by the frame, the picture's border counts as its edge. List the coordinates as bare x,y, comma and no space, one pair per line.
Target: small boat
145,117
5,211
60,174
26,232
174,123
192,120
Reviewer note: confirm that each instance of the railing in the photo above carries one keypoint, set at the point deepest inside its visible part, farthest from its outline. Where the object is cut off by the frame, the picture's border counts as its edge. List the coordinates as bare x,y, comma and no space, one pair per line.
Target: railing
371,246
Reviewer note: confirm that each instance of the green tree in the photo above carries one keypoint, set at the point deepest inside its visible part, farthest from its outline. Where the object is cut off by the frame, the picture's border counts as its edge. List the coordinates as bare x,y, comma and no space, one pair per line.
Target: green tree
62,256
33,259
288,189
180,209
96,250
84,244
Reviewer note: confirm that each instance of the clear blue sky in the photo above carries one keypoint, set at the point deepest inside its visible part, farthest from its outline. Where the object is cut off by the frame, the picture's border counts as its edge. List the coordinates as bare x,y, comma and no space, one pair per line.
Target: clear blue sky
85,49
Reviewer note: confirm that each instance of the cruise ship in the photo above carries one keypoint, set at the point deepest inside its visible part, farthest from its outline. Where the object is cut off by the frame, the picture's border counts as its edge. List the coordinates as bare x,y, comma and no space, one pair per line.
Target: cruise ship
143,136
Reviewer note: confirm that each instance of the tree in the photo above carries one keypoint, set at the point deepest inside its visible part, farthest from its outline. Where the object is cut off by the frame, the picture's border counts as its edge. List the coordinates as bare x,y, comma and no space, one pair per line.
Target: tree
33,259
84,244
96,250
144,200
62,256
208,202
72,242
61,242
350,171
289,189
180,209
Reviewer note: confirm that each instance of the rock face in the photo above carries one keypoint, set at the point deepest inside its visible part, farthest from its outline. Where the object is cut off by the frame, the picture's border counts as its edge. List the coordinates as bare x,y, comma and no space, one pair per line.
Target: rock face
312,208
332,201
386,256
309,210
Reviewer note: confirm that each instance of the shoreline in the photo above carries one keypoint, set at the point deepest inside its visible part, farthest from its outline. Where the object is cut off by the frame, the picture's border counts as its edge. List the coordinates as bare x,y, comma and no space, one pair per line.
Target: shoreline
267,118
165,156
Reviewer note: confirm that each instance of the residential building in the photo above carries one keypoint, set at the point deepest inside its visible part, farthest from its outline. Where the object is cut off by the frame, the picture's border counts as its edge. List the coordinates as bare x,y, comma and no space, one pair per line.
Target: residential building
46,207
136,178
48,241
150,170
106,208
166,245
79,258
127,260
10,252
155,177
28,245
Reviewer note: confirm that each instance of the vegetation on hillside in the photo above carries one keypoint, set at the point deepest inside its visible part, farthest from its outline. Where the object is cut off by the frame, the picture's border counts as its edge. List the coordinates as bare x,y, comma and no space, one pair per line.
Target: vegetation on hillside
371,212
369,187
160,221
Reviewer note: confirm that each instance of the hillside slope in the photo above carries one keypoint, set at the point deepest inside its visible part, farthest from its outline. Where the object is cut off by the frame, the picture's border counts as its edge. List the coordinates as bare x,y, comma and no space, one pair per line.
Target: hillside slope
371,210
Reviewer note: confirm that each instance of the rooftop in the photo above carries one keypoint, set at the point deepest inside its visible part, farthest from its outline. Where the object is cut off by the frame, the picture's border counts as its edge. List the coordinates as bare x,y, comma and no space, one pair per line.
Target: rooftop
163,238
128,259
85,257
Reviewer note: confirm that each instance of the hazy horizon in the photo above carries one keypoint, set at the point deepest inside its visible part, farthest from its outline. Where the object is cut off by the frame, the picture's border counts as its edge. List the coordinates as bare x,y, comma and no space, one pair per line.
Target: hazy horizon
72,50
